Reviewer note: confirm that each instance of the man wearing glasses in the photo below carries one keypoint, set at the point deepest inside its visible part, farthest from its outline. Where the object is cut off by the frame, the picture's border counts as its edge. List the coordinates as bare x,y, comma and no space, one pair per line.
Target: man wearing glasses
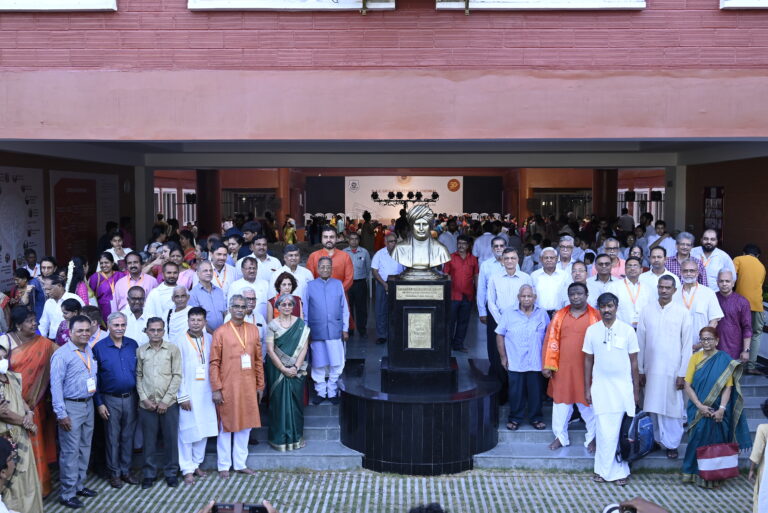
612,249
565,253
684,246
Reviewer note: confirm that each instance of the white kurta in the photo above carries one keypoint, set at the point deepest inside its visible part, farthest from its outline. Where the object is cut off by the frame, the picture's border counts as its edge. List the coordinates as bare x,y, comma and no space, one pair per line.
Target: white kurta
176,323
664,337
260,288
548,287
633,298
612,390
717,261
703,306
159,301
652,281
201,422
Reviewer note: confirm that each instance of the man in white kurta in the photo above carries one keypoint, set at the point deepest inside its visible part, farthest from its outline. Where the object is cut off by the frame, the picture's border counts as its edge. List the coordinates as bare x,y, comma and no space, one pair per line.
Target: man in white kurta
700,301
548,281
713,258
160,299
197,414
611,384
664,337
176,318
658,260
633,295
249,281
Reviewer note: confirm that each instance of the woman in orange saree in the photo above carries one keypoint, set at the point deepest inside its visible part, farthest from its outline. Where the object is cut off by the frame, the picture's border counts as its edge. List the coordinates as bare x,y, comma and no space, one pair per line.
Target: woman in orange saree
30,356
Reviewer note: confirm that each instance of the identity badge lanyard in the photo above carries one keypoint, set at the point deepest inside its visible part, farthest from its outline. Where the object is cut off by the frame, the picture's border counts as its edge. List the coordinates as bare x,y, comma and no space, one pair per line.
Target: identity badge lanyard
245,358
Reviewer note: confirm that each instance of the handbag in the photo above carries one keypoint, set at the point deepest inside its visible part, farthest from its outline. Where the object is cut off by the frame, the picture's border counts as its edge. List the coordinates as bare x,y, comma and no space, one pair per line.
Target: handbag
718,461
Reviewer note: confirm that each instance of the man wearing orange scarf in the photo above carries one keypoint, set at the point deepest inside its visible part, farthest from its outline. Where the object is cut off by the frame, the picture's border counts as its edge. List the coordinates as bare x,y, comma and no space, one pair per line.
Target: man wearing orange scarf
563,364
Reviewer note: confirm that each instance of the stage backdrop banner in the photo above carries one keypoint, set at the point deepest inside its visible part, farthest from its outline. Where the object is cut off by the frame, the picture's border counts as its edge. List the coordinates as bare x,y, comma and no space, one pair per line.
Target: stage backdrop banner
21,207
358,189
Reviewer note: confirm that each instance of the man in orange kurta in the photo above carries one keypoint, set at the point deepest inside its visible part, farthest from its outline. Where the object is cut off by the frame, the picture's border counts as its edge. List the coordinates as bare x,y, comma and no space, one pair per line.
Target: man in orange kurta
563,364
342,263
237,383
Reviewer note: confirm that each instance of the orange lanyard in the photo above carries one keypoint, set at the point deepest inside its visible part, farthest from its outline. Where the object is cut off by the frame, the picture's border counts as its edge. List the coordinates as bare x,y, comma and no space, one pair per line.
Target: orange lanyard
86,363
216,275
138,284
198,346
110,283
239,338
629,291
706,262
689,304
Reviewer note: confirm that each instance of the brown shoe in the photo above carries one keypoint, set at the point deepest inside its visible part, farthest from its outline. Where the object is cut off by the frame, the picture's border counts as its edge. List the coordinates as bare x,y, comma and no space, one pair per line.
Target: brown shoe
127,478
115,482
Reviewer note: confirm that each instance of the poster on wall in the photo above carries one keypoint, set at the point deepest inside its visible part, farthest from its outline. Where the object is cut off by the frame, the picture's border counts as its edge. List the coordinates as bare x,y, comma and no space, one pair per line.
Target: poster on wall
82,205
358,189
21,204
714,198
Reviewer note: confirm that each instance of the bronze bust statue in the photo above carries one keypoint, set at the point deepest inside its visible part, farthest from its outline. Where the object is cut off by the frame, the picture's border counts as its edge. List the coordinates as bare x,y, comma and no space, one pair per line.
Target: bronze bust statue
419,252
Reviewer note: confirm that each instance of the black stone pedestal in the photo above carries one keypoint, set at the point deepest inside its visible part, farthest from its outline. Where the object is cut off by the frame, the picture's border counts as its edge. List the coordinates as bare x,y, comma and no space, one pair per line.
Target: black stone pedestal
404,381
420,432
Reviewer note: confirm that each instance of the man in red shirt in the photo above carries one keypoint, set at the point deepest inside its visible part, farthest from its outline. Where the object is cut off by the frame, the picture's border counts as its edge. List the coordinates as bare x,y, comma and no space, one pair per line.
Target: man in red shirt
463,269
342,263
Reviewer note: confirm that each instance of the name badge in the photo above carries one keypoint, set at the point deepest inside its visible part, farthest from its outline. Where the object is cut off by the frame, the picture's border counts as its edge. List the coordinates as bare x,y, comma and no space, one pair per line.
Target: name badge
90,384
245,361
200,373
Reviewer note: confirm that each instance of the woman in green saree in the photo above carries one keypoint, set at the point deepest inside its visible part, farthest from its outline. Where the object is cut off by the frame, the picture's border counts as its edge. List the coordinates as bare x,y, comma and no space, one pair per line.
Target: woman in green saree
286,370
715,408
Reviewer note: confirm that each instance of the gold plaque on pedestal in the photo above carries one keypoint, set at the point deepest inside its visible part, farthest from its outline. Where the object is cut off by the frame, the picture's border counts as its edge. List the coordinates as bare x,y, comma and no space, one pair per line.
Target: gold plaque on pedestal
419,292
419,331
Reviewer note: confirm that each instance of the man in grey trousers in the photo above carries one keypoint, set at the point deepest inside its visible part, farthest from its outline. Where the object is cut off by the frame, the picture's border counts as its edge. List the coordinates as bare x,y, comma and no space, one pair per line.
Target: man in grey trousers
73,383
116,398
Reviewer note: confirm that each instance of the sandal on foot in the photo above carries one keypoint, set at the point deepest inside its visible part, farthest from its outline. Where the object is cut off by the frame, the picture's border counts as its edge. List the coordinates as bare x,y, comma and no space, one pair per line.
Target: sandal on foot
512,426
598,479
538,425
672,454
622,482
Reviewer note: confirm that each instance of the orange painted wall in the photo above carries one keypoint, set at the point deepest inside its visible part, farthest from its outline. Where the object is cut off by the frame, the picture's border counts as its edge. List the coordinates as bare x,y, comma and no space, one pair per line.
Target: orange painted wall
547,178
249,178
745,183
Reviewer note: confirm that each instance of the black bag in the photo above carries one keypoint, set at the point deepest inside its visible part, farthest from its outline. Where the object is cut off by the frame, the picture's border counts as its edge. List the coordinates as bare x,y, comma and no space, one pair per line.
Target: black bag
635,437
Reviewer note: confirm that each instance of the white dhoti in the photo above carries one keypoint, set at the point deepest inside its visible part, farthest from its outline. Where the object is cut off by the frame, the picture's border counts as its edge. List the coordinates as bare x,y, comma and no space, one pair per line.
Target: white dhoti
227,451
327,362
561,415
667,431
191,455
608,426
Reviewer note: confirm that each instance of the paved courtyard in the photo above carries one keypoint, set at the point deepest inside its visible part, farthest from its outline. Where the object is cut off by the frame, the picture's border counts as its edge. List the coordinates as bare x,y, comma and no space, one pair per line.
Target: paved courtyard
475,491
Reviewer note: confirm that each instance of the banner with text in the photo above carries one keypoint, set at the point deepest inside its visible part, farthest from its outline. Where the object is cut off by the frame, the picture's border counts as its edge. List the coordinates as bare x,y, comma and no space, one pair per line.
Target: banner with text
358,189
21,208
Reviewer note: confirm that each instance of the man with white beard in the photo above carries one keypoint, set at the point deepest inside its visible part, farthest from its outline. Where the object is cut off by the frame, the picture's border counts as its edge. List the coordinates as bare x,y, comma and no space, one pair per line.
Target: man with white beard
700,301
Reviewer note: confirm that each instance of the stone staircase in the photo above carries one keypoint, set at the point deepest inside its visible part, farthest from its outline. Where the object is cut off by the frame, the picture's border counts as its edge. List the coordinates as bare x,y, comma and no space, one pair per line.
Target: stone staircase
528,447
323,451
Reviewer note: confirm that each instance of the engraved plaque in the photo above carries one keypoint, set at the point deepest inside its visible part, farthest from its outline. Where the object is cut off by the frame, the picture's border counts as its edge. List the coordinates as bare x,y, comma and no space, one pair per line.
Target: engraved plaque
420,292
419,331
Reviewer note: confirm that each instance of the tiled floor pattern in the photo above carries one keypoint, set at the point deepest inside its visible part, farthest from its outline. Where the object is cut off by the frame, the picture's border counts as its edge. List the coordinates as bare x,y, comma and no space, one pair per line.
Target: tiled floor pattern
475,491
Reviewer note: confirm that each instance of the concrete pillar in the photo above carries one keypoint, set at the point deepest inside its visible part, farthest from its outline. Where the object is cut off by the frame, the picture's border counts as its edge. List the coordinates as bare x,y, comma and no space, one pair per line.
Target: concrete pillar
605,183
283,194
208,201
674,198
144,204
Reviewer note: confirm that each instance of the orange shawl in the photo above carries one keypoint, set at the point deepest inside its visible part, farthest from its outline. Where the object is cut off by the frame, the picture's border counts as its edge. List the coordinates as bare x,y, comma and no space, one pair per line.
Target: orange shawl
550,357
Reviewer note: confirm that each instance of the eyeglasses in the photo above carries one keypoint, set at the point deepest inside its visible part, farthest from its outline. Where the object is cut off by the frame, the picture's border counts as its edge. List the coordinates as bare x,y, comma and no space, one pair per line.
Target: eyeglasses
238,307
603,264
286,303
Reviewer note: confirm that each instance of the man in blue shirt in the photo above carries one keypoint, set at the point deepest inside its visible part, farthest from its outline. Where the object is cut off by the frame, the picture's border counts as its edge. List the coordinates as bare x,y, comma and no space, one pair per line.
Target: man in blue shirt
208,296
116,397
327,315
73,383
518,337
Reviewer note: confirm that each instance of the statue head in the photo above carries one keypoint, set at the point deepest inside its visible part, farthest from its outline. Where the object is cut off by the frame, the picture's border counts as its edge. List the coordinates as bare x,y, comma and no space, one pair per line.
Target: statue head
419,218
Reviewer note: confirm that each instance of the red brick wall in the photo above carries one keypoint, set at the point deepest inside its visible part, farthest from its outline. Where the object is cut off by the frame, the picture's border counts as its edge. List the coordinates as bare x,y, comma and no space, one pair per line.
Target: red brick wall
163,34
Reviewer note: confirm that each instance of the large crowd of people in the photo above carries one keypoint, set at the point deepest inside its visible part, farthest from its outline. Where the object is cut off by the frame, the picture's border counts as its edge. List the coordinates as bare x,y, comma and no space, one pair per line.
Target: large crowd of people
185,338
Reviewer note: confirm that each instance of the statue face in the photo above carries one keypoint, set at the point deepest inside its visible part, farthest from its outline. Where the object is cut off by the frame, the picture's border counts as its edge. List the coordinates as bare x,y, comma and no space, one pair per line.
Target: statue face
420,229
